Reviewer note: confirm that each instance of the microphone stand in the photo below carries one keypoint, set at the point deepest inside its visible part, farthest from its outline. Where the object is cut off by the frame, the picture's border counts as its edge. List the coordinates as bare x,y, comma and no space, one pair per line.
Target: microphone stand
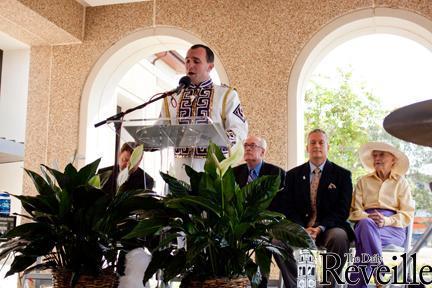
118,124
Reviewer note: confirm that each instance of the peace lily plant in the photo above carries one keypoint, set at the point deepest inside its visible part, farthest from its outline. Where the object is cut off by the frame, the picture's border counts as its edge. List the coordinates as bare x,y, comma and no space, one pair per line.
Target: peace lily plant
72,225
223,225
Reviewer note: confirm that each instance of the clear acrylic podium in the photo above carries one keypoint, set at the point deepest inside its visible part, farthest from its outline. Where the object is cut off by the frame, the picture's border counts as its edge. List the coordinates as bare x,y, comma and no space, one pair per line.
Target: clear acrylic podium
163,135
176,133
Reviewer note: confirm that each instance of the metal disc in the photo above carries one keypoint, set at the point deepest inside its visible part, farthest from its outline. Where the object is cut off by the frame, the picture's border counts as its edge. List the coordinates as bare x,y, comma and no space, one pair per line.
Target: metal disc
412,123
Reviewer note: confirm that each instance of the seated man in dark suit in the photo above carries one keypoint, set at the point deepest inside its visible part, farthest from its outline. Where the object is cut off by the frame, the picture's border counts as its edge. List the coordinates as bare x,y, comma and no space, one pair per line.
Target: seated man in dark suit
318,196
130,179
254,151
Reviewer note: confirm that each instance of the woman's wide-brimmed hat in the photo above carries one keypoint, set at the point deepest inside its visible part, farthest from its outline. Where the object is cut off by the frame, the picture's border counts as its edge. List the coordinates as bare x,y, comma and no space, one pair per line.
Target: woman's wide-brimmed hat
402,162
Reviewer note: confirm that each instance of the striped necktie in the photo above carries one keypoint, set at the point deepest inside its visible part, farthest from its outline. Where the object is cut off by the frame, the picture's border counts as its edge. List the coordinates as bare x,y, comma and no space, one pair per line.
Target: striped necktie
252,176
313,195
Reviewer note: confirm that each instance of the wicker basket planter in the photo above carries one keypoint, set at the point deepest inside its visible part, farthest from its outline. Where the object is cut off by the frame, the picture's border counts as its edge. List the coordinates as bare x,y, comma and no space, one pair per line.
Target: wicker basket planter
220,283
61,279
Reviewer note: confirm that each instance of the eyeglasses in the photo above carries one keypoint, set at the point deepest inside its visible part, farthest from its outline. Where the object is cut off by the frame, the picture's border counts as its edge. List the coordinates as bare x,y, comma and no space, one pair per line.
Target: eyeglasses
252,146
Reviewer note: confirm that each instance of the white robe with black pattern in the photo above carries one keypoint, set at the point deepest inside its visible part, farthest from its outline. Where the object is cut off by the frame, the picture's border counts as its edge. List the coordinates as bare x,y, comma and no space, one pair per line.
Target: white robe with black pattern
210,101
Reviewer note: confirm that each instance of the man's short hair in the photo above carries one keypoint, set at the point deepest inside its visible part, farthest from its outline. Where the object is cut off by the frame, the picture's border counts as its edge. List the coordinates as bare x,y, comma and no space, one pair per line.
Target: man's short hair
128,146
262,143
209,52
318,130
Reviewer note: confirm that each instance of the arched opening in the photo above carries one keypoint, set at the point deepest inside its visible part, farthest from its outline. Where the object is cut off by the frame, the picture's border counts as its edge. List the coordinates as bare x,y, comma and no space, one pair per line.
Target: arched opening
116,71
380,20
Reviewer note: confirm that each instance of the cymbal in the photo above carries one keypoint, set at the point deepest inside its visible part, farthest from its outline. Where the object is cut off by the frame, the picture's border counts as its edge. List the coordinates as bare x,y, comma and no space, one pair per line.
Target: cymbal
412,123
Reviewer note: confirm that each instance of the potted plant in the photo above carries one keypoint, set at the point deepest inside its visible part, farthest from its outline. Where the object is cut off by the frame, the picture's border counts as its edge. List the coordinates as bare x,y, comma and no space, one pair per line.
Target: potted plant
223,226
74,228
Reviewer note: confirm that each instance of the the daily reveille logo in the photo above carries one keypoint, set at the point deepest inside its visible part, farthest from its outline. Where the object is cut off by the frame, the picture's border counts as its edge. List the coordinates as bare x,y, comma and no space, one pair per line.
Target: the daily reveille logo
369,267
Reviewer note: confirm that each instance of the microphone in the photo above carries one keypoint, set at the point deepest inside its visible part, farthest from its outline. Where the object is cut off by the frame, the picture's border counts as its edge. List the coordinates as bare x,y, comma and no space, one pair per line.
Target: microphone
184,82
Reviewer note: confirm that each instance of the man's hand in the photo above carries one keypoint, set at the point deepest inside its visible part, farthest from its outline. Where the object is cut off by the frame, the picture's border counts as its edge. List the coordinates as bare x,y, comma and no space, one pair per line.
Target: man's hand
313,232
378,218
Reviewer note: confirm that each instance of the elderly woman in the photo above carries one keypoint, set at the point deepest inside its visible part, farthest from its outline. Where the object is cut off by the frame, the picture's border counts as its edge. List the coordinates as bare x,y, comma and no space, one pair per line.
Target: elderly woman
381,205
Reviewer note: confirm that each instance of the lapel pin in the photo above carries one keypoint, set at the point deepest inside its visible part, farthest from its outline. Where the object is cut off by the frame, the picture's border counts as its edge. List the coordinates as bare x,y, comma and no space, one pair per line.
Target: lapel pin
304,177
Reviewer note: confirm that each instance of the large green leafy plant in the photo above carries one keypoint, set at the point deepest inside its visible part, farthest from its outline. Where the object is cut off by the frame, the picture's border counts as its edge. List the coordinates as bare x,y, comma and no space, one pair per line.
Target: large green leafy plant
74,226
222,225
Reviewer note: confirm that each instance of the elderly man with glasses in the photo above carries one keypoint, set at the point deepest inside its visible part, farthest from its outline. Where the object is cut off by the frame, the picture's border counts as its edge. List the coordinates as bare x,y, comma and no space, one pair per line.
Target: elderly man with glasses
254,151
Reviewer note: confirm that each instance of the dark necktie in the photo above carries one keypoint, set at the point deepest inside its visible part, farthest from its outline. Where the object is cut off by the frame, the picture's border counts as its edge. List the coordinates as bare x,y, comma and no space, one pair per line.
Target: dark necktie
313,195
252,176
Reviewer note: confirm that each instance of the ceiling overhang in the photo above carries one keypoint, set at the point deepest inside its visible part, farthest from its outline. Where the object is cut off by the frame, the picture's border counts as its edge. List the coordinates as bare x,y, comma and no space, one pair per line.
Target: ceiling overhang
11,151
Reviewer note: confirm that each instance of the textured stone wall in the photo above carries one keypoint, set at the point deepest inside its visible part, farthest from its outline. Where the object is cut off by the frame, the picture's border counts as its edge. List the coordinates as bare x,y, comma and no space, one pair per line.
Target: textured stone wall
42,22
67,14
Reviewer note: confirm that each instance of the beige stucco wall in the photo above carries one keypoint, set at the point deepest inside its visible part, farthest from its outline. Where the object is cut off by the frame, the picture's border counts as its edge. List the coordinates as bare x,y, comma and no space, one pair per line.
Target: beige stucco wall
67,14
256,40
46,22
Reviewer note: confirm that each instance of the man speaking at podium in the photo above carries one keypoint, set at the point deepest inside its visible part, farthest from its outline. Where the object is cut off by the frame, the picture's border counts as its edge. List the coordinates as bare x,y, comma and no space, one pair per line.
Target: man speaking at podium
202,98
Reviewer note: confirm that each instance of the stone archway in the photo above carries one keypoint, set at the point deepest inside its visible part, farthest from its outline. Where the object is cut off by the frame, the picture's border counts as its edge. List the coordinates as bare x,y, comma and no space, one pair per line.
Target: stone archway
97,101
379,20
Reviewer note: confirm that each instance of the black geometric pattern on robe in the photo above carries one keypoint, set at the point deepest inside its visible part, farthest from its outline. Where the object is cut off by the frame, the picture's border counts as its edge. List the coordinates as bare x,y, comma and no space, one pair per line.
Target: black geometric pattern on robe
195,102
239,113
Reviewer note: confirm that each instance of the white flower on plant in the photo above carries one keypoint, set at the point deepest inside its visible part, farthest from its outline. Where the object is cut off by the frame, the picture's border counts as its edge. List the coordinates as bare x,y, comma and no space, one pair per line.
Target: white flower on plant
236,154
